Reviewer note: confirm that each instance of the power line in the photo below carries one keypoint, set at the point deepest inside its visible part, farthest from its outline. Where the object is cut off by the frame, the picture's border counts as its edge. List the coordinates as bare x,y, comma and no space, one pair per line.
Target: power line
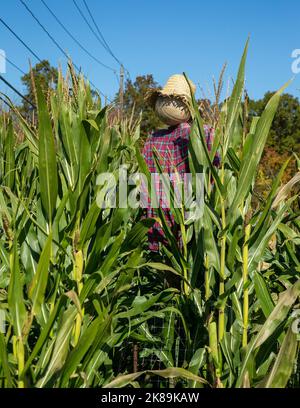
45,30
58,46
6,103
101,41
90,27
20,39
74,39
101,35
16,91
15,66
23,72
108,48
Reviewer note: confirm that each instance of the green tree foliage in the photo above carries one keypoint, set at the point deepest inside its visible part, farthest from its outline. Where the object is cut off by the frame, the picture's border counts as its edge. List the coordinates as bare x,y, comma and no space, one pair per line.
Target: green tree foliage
134,98
285,131
45,75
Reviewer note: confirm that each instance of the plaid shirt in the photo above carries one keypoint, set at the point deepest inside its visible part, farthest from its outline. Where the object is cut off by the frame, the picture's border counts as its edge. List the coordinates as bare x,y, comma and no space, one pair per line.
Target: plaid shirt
172,146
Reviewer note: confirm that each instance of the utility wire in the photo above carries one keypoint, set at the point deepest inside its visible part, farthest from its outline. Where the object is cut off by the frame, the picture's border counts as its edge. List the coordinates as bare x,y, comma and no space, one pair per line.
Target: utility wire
15,66
58,46
101,40
75,40
100,33
45,30
6,103
16,91
90,27
108,48
16,35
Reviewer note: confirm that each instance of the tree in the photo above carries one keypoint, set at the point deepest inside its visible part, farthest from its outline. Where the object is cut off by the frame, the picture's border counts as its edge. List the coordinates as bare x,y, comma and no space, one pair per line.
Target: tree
284,138
285,131
134,98
45,75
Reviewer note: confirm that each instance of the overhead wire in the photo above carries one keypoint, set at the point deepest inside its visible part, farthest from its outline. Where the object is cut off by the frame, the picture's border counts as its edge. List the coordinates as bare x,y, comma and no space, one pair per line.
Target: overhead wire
16,91
101,35
75,39
88,24
20,39
15,66
6,103
58,46
98,36
108,48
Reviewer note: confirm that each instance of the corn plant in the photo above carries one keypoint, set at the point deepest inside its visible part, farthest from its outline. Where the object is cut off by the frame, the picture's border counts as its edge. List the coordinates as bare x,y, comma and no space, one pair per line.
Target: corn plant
79,290
239,264
71,290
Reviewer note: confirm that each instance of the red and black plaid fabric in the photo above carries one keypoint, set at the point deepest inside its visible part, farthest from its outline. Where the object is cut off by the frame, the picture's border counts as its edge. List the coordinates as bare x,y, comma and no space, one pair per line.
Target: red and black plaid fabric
172,147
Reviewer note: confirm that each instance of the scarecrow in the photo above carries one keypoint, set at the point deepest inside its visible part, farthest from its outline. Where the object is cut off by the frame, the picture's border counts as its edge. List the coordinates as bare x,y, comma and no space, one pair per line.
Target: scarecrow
171,144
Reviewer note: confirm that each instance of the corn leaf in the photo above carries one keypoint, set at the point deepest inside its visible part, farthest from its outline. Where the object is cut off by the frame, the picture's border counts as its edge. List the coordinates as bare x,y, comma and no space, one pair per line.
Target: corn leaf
284,363
47,158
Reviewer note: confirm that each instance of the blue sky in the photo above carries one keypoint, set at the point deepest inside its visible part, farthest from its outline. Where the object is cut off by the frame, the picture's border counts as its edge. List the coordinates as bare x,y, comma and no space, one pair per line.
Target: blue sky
162,38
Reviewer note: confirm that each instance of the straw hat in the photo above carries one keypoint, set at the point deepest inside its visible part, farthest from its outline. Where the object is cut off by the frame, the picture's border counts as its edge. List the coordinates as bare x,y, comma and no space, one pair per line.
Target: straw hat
171,102
176,86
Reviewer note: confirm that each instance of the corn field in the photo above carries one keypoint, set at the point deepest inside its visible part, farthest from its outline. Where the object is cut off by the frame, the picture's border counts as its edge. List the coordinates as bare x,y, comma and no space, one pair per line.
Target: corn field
83,301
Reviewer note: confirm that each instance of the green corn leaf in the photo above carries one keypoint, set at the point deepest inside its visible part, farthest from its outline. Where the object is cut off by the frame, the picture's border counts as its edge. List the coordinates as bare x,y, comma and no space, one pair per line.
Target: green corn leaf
263,294
172,372
250,161
113,254
235,101
142,303
43,337
201,135
159,266
196,362
15,292
91,367
89,223
61,346
84,155
137,234
259,224
279,313
284,363
9,158
4,361
169,332
86,340
47,158
40,279
257,250
69,145
274,320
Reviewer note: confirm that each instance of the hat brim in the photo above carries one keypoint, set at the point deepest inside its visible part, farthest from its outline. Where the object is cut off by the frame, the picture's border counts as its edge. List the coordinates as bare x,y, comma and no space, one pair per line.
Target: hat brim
153,94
